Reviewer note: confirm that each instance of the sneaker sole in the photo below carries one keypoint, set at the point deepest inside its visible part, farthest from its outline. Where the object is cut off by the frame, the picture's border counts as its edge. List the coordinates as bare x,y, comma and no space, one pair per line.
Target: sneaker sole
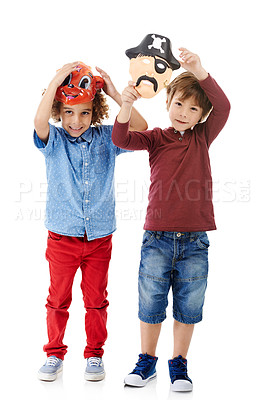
49,377
94,377
137,381
181,386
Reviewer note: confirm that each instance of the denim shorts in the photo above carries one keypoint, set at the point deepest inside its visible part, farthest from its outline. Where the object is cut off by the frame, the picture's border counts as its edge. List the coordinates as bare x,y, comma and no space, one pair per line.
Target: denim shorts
178,260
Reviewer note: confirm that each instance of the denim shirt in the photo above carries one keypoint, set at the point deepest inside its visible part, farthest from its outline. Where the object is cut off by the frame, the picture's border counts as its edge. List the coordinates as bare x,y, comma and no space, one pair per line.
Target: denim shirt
80,176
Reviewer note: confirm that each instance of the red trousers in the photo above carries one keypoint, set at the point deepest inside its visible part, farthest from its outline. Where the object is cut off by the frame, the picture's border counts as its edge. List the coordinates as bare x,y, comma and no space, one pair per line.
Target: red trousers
65,255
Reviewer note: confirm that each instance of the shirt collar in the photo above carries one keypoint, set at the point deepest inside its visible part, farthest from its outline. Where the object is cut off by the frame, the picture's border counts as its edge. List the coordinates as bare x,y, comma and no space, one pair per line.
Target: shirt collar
86,136
174,131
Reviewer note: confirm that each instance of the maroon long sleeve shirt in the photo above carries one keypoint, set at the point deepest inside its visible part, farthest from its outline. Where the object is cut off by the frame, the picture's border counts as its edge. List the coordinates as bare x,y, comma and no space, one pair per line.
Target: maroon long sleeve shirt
180,193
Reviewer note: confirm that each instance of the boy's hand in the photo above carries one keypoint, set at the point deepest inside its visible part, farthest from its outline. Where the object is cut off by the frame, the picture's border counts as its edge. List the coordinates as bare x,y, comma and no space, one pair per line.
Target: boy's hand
108,88
130,94
192,63
128,97
63,73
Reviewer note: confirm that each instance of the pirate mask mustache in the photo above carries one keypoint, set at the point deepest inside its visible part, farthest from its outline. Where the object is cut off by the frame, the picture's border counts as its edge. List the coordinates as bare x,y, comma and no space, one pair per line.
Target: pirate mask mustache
147,78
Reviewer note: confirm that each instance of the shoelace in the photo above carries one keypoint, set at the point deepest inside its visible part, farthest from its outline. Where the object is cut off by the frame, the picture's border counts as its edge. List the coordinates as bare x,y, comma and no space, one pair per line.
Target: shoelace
178,367
142,364
52,361
94,361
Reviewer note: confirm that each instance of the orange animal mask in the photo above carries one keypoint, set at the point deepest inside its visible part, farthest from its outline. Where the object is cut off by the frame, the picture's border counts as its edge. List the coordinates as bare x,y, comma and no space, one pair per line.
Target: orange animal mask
79,87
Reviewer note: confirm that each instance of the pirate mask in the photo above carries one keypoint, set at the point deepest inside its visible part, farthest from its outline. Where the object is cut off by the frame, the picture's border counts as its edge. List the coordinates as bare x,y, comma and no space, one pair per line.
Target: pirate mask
79,87
151,65
150,74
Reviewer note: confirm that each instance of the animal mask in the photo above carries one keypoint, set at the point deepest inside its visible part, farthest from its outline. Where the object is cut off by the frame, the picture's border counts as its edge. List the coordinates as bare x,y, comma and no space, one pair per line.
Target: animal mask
79,87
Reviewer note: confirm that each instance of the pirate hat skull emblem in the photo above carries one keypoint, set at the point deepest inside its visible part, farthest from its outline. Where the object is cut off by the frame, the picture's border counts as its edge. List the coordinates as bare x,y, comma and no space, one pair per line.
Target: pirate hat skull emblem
157,43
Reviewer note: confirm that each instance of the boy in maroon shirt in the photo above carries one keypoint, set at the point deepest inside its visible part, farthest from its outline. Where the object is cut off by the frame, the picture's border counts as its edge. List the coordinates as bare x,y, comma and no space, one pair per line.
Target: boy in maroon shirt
175,244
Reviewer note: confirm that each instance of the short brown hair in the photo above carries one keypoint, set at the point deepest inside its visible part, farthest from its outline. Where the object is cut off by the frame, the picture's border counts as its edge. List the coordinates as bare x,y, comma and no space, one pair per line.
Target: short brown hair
188,85
99,112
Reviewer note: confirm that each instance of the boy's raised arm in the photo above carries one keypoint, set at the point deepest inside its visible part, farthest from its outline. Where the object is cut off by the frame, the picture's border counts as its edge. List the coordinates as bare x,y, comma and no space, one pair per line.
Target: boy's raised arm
137,122
192,63
221,105
128,97
124,136
41,120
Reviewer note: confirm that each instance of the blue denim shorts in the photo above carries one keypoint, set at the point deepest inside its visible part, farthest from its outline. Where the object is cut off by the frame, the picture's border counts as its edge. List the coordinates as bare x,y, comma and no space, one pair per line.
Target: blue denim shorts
178,260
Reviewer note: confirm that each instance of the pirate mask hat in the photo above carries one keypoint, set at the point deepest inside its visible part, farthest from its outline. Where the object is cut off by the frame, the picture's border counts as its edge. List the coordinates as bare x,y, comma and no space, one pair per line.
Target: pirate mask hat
155,45
79,87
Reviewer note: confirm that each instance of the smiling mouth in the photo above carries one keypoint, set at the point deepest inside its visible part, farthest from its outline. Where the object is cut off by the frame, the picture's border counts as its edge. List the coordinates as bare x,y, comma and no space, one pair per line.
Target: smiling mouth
76,129
147,83
181,122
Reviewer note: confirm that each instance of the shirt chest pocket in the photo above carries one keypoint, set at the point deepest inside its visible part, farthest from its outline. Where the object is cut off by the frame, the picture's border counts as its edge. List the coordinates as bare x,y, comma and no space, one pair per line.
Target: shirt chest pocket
100,158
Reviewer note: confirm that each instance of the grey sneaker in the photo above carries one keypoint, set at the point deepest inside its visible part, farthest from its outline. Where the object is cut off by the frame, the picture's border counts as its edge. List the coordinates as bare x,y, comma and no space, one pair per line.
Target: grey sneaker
50,369
94,369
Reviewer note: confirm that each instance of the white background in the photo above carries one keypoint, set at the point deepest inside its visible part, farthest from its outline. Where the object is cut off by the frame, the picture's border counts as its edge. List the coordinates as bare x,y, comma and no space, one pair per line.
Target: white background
226,358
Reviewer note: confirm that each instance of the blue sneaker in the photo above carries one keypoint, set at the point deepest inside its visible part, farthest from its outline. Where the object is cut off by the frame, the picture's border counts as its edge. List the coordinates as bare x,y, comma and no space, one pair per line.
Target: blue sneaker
180,382
50,369
94,369
143,372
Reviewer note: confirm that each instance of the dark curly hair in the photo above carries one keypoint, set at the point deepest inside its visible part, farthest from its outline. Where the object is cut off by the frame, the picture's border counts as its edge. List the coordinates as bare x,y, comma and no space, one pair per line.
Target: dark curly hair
99,112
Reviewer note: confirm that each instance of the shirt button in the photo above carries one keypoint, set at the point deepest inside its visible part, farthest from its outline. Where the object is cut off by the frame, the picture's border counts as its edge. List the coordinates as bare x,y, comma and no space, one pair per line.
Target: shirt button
86,182
87,219
180,139
84,146
87,201
86,164
178,234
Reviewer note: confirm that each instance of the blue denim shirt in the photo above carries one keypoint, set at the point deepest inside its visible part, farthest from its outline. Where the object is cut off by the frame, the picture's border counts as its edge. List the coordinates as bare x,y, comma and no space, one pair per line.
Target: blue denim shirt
80,176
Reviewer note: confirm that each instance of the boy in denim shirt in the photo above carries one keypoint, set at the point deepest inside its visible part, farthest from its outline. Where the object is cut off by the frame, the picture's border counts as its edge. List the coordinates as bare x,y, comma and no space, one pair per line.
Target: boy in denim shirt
175,244
80,219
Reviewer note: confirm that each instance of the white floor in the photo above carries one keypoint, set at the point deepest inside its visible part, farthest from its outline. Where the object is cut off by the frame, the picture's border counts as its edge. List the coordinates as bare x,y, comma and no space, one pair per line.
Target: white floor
226,379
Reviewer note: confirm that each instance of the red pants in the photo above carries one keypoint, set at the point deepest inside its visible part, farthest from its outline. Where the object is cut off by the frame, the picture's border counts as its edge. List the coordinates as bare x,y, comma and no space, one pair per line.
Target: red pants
65,255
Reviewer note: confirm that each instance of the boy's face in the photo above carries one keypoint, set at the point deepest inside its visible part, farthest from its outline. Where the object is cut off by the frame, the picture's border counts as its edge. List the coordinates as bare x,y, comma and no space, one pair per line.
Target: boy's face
151,74
76,119
183,114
